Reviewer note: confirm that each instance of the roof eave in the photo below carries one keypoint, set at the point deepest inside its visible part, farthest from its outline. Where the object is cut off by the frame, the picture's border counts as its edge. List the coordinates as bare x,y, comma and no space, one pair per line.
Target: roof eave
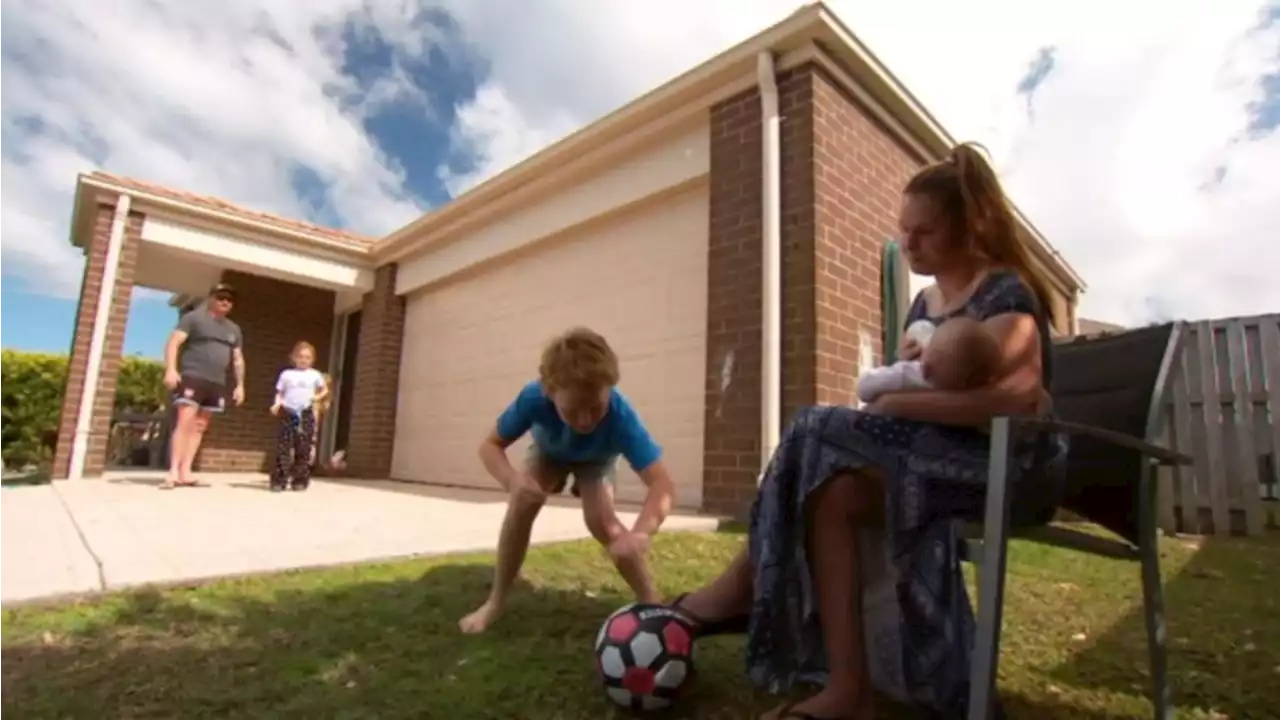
210,215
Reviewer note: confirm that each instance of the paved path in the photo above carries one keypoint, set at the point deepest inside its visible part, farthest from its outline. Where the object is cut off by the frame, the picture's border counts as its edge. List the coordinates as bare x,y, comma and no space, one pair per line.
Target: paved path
121,531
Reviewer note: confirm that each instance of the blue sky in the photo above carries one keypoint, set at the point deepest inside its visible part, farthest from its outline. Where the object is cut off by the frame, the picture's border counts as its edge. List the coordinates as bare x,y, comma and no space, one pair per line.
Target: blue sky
33,320
1133,144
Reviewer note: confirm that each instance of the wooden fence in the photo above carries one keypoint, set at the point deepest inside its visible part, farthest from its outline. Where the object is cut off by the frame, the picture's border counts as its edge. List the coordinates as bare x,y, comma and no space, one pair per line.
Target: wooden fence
1224,410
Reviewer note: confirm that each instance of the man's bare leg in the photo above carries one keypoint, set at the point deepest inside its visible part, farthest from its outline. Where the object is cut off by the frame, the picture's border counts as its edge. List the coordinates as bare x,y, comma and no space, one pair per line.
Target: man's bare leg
183,429
194,437
603,523
523,507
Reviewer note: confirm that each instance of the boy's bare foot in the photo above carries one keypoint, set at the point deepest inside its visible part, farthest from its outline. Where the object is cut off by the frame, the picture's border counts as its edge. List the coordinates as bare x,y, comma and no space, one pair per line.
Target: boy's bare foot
481,618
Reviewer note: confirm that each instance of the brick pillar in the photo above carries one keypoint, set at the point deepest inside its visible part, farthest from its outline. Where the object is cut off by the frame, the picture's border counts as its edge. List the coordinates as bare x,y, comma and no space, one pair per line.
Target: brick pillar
842,175
732,436
859,170
377,379
799,218
113,348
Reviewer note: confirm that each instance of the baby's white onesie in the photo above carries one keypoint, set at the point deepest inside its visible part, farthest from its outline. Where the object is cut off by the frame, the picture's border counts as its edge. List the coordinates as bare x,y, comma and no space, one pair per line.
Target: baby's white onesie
904,375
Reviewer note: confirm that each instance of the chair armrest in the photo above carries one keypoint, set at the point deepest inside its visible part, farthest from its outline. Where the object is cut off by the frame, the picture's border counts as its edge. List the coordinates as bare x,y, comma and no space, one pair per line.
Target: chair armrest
1164,455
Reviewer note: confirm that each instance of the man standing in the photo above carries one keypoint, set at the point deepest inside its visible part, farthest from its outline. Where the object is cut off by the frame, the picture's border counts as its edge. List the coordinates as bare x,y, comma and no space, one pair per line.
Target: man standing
196,359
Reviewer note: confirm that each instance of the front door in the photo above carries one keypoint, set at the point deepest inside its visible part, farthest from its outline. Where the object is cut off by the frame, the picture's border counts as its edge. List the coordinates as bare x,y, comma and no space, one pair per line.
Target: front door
346,381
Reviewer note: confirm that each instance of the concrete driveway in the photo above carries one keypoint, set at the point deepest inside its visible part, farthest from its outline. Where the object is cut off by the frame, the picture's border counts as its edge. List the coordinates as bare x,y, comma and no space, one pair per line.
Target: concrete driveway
120,531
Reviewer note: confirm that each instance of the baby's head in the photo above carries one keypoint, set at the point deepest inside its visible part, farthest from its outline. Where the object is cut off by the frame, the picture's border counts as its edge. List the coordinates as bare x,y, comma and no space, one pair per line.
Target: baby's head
961,355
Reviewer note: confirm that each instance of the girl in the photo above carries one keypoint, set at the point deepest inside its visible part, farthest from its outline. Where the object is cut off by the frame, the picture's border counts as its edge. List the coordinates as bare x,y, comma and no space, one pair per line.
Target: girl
298,390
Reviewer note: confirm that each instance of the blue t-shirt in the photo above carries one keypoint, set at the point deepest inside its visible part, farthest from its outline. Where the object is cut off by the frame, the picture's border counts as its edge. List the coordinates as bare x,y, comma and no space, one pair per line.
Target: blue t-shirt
620,432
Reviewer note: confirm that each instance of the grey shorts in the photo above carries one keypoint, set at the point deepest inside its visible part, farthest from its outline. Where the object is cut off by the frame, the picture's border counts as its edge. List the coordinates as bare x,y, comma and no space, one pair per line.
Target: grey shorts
554,474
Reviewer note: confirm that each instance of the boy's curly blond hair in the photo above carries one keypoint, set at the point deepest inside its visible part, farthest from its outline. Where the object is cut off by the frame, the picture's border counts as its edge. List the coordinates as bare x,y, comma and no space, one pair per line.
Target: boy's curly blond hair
579,359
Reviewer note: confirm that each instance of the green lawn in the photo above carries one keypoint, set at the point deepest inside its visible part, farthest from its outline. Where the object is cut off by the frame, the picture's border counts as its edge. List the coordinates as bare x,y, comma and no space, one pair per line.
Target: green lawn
380,640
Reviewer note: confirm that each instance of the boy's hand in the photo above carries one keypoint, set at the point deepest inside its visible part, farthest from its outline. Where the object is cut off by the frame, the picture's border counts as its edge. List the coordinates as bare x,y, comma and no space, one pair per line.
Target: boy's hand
629,545
275,409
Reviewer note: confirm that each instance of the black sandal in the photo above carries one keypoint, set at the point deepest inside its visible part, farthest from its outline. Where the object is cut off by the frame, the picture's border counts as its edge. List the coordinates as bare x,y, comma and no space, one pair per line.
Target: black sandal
732,625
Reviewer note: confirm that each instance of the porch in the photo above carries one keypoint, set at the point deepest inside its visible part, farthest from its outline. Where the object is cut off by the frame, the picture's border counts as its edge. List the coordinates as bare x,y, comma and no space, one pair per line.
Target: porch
293,281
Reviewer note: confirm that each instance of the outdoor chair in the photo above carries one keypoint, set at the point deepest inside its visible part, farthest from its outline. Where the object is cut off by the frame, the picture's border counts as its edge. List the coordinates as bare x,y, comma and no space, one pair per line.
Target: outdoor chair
1108,395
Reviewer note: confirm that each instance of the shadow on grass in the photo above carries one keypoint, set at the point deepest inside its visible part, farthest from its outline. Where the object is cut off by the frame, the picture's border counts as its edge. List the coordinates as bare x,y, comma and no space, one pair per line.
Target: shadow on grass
310,647
1224,636
365,649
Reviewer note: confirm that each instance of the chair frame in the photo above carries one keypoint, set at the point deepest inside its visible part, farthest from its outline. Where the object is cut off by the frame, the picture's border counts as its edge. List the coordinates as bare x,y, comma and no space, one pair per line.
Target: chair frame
991,553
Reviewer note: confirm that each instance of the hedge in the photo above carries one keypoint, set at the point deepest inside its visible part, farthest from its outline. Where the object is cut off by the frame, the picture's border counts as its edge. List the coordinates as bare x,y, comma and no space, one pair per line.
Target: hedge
31,394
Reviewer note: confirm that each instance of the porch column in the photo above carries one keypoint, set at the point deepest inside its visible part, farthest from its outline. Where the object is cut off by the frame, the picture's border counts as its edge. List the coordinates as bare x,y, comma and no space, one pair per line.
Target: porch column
375,393
111,346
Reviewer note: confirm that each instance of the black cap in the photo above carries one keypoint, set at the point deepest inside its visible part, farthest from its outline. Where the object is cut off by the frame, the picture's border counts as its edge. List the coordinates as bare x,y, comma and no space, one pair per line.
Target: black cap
222,289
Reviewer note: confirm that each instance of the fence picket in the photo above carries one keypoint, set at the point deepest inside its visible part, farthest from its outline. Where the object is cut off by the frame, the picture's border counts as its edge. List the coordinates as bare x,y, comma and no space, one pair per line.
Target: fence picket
1222,411
1240,419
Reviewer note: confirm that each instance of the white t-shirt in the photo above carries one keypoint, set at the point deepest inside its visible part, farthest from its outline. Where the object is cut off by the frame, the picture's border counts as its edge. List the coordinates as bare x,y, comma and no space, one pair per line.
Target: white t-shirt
298,388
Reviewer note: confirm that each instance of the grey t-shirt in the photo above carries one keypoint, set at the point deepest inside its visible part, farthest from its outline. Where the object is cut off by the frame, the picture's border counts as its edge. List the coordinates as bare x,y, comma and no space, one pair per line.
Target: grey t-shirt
207,352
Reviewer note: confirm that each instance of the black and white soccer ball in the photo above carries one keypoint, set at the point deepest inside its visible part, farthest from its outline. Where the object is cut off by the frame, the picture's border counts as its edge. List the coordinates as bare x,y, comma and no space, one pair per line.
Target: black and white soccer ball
645,654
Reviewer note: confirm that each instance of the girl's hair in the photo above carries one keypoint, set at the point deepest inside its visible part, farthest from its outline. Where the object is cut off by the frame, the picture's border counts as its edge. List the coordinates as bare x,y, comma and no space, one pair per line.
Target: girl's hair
579,359
303,345
322,405
965,187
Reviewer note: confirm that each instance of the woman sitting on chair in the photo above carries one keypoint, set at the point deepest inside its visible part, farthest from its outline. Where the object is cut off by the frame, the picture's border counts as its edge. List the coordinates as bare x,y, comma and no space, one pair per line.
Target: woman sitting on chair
851,575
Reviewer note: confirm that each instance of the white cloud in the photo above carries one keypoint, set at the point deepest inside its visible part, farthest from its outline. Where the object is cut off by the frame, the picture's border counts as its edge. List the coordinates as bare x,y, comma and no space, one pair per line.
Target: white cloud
1146,101
225,98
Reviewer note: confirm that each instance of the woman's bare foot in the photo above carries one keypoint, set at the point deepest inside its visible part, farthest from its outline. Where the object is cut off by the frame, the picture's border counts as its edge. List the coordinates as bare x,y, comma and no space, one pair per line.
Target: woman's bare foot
481,618
828,704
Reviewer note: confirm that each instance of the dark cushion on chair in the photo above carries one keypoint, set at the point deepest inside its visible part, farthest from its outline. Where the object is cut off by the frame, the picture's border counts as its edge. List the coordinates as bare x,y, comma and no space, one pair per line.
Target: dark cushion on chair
1107,382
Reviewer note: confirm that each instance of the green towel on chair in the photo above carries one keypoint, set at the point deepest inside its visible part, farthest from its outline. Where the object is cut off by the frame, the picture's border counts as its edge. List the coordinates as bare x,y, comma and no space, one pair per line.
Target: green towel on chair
893,292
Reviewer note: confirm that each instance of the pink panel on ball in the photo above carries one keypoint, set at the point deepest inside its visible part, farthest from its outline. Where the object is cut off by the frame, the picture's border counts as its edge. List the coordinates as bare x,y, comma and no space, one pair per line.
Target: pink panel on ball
638,681
623,627
676,639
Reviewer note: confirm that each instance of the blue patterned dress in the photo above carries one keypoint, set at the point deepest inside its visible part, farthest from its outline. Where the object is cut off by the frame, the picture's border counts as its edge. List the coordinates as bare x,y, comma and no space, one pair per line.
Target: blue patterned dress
917,616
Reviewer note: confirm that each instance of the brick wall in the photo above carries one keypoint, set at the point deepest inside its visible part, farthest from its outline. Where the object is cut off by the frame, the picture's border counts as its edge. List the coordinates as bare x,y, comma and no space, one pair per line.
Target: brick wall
842,174
273,315
732,423
377,379
86,312
859,173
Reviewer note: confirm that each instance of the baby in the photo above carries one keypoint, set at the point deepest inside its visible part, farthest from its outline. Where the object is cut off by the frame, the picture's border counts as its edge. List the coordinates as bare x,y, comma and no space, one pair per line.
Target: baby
959,354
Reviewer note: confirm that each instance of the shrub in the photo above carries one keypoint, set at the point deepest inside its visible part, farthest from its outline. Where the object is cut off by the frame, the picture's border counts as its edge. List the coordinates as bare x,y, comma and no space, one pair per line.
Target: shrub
31,396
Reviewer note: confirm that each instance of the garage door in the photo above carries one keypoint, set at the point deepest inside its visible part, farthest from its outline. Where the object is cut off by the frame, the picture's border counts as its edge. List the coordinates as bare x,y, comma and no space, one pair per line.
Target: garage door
472,342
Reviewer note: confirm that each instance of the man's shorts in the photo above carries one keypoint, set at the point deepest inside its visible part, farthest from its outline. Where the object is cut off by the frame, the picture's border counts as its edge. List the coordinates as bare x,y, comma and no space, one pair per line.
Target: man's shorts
200,393
554,474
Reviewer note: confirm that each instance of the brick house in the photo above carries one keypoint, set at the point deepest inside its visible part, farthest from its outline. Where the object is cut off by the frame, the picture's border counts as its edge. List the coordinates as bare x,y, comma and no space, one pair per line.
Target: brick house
724,231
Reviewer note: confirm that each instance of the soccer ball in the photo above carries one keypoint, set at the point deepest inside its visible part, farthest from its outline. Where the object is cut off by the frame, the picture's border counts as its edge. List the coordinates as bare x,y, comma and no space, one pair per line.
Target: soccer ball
644,654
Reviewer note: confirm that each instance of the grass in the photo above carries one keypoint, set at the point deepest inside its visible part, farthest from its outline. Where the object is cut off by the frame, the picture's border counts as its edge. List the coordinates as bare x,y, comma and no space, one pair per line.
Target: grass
379,641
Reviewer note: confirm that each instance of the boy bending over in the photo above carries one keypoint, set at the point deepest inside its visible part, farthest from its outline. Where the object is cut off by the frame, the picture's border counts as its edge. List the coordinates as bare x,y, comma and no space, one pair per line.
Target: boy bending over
580,425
